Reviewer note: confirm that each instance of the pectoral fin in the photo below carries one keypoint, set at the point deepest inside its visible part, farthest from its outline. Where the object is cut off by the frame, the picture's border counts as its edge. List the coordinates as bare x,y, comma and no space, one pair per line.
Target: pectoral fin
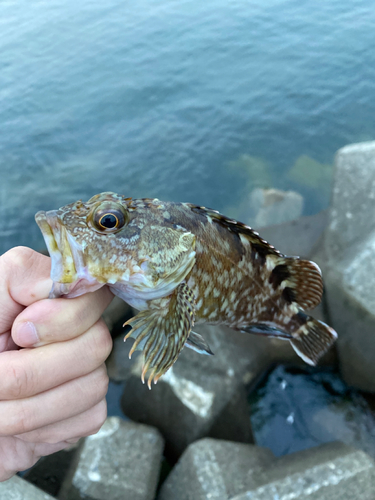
162,330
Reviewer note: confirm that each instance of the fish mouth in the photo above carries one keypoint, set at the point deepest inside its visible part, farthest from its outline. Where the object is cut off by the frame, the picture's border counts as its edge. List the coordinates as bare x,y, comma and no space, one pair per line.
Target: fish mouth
63,270
68,272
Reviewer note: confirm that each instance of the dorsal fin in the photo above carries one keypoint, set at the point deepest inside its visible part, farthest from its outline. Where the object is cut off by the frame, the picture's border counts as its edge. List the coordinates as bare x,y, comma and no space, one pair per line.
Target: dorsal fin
259,245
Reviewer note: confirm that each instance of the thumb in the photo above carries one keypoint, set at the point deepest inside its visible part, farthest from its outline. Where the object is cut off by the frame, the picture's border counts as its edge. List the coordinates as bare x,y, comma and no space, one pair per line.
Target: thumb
24,280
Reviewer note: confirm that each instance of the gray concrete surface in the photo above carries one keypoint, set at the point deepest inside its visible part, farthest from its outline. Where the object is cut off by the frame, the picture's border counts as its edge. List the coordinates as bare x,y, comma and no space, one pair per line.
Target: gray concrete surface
329,472
121,462
215,469
201,395
347,258
17,488
228,471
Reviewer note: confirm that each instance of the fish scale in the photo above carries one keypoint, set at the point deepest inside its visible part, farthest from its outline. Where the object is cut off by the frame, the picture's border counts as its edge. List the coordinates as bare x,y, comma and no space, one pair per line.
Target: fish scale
182,264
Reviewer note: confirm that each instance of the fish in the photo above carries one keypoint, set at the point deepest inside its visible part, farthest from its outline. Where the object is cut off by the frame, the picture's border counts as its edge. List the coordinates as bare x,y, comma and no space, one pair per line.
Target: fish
180,265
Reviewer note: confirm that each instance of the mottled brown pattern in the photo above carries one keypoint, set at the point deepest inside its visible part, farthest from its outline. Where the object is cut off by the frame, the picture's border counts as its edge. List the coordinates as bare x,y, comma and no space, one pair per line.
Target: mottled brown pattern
179,263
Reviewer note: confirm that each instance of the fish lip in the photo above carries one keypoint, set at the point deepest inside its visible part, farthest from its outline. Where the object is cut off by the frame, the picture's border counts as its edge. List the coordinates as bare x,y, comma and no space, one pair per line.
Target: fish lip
47,222
63,269
69,274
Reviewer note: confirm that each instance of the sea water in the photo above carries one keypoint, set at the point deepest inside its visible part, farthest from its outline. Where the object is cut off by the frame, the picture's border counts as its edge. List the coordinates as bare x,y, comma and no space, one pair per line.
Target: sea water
178,99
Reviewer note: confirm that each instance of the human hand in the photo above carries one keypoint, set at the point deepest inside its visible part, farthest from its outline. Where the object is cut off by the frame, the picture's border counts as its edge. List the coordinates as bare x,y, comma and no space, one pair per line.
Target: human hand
52,391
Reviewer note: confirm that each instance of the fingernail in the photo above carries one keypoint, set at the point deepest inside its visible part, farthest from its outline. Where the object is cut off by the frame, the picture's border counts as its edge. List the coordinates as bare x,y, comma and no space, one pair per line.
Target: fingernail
26,334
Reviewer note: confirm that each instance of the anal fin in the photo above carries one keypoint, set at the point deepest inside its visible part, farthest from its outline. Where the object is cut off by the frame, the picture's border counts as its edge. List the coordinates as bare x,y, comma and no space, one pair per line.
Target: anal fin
310,338
267,331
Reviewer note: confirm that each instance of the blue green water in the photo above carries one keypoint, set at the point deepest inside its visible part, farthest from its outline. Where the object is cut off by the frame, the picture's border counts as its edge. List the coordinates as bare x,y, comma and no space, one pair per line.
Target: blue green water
163,98
299,408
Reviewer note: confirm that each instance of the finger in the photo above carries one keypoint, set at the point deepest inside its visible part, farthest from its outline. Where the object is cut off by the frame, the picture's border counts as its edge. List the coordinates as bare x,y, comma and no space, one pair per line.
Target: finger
28,372
65,401
55,320
70,429
24,280
6,342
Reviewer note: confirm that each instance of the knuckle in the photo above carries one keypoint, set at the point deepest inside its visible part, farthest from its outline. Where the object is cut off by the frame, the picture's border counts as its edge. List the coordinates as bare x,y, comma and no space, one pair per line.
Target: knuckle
72,440
102,382
18,257
101,342
17,383
24,419
98,418
16,267
21,421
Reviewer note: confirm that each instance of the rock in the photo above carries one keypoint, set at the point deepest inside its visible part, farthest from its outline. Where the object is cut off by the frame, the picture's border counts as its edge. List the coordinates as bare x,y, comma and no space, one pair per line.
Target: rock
272,206
347,259
313,179
309,172
201,395
253,171
214,469
121,461
332,471
16,488
230,471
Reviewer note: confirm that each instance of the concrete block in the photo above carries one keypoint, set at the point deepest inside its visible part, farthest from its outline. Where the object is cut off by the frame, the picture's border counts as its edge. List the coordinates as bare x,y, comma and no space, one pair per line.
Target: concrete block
350,297
332,471
17,488
229,471
347,259
297,237
215,469
243,356
201,395
121,461
352,214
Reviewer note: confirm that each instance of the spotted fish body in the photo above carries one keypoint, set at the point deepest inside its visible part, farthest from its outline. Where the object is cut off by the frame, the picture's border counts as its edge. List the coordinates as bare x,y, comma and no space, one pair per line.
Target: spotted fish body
181,264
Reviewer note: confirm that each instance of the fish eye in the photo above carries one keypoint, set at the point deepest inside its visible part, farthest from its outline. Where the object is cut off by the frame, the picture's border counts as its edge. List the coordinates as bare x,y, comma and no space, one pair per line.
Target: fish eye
109,219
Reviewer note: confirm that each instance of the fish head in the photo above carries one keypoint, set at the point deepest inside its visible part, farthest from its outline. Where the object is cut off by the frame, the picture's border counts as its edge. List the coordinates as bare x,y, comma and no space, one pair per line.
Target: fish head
117,241
79,237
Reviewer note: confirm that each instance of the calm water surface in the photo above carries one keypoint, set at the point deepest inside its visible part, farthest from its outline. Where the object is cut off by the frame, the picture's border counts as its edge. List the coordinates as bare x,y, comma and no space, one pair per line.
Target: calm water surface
164,99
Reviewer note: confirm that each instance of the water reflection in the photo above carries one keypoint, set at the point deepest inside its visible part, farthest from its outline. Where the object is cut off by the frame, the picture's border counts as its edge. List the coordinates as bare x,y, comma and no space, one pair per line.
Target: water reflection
185,101
298,408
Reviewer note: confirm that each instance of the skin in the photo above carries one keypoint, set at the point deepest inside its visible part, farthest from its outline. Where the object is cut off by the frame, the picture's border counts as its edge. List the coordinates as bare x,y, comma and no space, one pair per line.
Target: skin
53,387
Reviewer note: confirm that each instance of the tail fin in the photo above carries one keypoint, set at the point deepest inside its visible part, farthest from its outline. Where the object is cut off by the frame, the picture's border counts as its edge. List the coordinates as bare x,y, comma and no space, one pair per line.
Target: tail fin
312,339
300,281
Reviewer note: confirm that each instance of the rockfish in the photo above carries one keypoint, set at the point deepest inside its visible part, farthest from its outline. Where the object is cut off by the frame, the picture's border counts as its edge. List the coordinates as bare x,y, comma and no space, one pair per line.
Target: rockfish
181,264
